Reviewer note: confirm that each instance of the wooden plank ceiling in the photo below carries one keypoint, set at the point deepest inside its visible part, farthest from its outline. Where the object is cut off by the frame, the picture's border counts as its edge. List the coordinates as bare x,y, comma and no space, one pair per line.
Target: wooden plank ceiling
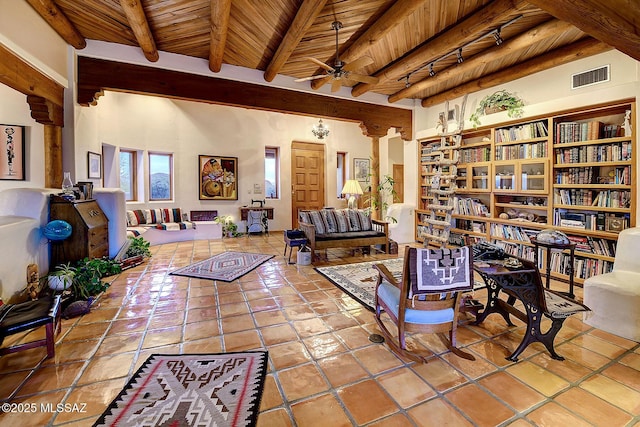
404,39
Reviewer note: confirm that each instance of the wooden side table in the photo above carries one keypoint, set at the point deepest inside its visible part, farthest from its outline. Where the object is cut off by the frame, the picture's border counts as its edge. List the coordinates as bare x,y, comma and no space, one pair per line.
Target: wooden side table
571,247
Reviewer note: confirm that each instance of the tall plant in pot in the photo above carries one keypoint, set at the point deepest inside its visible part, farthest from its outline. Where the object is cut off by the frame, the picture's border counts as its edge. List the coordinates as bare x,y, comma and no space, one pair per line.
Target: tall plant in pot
61,278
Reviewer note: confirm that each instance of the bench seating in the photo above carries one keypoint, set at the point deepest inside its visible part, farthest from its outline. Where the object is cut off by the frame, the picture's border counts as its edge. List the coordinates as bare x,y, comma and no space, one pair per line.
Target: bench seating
342,228
159,226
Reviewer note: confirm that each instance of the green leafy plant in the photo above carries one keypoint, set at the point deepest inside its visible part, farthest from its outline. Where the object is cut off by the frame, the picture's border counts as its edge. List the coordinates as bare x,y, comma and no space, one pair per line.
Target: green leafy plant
61,277
138,247
500,100
378,200
89,272
229,228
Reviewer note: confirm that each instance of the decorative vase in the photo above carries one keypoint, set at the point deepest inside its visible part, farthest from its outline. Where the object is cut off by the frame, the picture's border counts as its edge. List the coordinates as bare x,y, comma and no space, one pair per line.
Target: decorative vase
59,283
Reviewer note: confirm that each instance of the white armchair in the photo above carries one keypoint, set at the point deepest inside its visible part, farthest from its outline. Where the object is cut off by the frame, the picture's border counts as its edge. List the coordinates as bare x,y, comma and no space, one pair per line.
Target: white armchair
614,298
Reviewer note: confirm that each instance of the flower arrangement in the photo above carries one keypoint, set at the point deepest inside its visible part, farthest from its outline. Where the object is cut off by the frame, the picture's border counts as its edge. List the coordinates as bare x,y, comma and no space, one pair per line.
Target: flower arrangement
498,101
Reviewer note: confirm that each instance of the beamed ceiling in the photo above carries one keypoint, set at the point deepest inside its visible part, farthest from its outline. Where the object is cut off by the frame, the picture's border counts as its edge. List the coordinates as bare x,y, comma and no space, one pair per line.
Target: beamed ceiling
401,38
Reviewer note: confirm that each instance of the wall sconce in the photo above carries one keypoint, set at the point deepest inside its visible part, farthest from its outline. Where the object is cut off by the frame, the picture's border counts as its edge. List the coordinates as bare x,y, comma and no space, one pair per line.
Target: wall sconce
460,58
353,189
320,130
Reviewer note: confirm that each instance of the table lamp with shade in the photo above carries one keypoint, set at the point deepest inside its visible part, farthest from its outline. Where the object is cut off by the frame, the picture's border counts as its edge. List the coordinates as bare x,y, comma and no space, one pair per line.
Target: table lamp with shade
353,189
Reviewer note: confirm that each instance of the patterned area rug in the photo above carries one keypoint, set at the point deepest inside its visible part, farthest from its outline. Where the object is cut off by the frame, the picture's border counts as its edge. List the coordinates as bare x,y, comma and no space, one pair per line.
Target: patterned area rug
226,267
191,390
359,279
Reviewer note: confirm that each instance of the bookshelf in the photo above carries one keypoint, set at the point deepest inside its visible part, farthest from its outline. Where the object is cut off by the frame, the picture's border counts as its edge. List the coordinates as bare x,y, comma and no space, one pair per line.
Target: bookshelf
572,170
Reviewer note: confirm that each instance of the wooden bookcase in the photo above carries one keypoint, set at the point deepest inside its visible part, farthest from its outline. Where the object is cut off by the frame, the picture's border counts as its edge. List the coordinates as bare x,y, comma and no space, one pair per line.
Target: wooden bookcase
572,170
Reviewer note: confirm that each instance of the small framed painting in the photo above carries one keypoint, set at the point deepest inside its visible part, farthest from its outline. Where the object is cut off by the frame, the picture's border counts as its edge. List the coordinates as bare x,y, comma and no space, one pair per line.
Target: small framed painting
218,177
94,165
361,169
12,152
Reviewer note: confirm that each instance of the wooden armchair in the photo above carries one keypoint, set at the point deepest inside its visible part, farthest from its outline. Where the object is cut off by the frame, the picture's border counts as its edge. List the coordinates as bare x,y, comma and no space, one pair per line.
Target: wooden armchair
426,299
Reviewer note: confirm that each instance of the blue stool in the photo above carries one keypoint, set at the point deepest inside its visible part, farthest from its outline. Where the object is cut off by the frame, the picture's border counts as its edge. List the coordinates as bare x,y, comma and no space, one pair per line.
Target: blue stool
292,239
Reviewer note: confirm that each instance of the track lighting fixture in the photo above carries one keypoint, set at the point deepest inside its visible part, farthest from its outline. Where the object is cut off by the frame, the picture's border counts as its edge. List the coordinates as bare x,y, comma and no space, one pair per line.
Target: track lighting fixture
496,35
431,72
460,58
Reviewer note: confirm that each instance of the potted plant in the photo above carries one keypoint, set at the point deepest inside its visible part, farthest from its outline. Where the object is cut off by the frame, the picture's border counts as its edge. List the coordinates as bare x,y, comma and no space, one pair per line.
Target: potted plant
379,199
498,101
87,281
61,278
229,228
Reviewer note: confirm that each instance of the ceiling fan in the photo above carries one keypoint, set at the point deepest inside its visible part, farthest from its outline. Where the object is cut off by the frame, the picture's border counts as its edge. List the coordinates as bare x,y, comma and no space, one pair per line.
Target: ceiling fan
341,72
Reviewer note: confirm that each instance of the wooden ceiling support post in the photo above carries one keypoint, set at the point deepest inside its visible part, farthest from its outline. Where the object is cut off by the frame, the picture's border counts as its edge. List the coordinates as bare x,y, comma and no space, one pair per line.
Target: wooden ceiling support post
53,156
376,209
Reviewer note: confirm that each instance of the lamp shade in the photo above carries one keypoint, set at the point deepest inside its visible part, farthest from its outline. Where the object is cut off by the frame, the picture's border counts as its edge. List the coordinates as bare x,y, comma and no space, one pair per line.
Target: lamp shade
352,187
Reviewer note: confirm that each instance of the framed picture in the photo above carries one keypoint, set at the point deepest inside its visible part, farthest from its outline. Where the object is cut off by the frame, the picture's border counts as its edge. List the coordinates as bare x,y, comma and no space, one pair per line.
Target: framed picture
615,224
94,165
361,169
12,152
218,177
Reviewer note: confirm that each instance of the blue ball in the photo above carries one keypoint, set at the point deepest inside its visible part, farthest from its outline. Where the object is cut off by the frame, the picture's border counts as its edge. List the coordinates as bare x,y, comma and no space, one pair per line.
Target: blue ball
57,230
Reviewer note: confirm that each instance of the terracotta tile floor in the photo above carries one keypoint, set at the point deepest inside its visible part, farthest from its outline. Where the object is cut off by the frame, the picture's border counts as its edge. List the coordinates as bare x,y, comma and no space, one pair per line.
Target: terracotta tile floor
323,369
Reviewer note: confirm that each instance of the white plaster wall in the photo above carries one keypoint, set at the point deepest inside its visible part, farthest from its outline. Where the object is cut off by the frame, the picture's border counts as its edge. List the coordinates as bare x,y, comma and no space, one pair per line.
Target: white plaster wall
188,129
14,110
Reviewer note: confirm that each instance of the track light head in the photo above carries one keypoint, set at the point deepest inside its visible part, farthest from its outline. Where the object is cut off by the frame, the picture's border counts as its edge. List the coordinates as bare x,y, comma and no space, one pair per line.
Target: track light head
498,38
460,58
431,72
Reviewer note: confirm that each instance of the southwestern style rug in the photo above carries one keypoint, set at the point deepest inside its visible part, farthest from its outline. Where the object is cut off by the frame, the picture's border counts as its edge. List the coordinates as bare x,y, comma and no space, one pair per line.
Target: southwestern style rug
226,267
191,390
359,279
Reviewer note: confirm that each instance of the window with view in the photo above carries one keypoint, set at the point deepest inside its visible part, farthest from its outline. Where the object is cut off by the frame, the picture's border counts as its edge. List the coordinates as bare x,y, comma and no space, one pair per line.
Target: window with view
160,176
271,172
341,172
128,178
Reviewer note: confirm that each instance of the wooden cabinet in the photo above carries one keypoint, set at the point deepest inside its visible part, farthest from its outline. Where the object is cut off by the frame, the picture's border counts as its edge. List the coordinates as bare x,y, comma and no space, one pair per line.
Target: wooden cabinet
572,171
89,236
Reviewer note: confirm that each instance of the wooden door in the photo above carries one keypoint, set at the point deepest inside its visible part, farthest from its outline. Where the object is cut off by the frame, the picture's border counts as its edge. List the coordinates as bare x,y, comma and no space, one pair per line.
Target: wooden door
398,183
307,178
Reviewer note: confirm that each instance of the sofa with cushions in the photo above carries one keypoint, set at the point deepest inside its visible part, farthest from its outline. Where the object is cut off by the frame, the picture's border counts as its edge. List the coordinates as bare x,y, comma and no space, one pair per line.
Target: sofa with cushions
159,226
342,228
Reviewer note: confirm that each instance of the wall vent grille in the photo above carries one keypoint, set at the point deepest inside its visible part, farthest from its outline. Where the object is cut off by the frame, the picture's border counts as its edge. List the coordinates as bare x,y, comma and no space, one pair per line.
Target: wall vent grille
590,77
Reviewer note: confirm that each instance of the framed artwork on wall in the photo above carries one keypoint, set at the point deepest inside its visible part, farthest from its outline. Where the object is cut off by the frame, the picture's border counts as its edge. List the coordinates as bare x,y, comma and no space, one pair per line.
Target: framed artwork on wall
12,158
361,169
94,165
218,177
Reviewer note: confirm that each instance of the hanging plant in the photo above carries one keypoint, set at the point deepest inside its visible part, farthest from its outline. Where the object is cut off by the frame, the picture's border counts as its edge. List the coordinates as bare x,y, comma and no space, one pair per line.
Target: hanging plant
498,101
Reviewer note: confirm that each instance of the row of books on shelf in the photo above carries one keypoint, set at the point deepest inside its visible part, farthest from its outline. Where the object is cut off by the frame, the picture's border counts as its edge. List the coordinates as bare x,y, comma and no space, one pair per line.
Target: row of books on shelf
581,175
582,267
594,245
477,154
521,151
526,131
521,251
589,197
513,232
615,152
469,206
595,221
470,225
585,131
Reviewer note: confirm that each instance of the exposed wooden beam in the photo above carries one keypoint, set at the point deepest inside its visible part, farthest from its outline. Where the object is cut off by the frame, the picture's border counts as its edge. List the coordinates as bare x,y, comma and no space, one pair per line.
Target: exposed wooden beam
52,156
48,10
614,22
19,75
387,22
307,13
522,41
96,75
140,26
470,28
219,20
44,111
578,50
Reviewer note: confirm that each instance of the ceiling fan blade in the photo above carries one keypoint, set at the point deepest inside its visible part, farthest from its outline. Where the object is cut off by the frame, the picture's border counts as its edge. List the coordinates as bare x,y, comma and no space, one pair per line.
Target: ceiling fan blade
336,84
321,82
364,79
320,63
305,79
363,61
